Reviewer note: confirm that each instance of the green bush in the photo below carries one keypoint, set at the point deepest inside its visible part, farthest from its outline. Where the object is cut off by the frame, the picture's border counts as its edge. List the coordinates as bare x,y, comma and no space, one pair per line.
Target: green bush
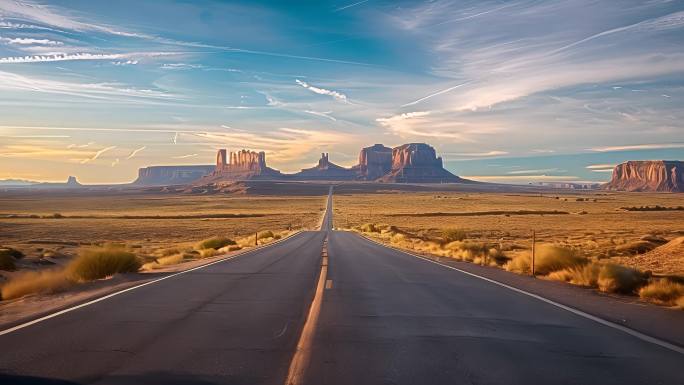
215,243
96,263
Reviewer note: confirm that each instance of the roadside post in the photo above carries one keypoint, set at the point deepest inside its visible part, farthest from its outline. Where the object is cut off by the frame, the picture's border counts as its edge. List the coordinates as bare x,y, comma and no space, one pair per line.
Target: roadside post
534,244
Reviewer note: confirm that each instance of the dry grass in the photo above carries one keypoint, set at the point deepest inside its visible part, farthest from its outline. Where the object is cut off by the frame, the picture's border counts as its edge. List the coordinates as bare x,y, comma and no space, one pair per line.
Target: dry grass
102,262
548,258
664,292
605,232
31,282
606,277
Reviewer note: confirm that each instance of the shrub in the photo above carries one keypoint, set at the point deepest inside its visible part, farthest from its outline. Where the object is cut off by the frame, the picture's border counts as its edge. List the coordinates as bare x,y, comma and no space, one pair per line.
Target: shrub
7,262
96,263
680,302
369,228
620,279
265,234
215,243
584,275
662,291
548,258
14,253
30,282
451,235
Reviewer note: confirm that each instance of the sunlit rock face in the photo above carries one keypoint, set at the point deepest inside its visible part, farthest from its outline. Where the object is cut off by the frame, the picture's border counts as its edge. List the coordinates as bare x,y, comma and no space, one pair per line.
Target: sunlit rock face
417,163
243,165
651,175
374,162
170,175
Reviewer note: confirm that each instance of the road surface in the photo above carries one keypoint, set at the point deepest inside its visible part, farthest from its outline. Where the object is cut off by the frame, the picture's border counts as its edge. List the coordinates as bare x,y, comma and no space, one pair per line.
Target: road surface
386,318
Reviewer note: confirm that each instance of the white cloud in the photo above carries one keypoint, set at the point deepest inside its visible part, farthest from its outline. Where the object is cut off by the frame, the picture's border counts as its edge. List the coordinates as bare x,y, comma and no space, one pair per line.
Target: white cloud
97,154
12,81
52,16
322,91
29,41
135,152
600,166
184,156
638,147
79,56
485,154
323,114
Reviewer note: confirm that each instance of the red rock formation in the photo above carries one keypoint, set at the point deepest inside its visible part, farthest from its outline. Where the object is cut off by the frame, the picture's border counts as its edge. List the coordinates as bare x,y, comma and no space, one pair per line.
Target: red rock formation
652,175
418,163
374,162
241,165
325,170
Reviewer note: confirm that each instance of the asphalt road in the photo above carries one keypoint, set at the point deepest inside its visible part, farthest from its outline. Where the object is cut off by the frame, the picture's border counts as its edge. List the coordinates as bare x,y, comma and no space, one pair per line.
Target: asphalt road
386,318
235,322
391,318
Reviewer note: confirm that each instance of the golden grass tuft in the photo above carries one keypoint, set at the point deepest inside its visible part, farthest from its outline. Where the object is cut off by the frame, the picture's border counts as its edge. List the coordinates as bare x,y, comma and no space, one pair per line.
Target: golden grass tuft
30,282
662,291
607,277
101,262
548,258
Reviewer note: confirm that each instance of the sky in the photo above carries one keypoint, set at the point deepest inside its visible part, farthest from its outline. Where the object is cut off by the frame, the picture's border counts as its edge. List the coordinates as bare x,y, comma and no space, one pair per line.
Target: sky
508,91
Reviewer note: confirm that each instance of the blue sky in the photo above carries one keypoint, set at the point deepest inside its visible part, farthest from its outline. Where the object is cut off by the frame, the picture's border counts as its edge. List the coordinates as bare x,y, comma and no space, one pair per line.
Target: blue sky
513,91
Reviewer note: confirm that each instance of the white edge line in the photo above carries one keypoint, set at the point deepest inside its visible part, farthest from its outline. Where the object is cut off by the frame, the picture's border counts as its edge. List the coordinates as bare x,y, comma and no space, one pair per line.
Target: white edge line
67,310
632,332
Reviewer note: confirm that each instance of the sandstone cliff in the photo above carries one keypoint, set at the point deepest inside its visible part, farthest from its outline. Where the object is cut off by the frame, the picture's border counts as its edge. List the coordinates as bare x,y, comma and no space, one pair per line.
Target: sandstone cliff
655,175
242,165
374,162
170,175
418,163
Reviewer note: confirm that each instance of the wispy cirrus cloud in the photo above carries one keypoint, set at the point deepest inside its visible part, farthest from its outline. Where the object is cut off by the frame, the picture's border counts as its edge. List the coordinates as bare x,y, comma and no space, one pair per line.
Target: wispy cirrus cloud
13,81
54,17
322,91
97,154
184,156
638,147
30,41
135,152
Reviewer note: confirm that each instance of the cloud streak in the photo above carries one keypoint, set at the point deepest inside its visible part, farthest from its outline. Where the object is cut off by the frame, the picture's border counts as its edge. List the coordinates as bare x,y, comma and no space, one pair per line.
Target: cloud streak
97,154
135,152
322,91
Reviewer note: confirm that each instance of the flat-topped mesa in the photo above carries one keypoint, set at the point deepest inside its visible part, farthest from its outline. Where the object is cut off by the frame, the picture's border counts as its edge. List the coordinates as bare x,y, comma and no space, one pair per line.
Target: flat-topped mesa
171,175
242,165
374,162
650,175
418,163
325,170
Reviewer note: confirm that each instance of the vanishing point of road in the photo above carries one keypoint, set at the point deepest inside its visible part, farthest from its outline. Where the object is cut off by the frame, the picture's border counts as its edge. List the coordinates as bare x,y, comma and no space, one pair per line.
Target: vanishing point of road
384,317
